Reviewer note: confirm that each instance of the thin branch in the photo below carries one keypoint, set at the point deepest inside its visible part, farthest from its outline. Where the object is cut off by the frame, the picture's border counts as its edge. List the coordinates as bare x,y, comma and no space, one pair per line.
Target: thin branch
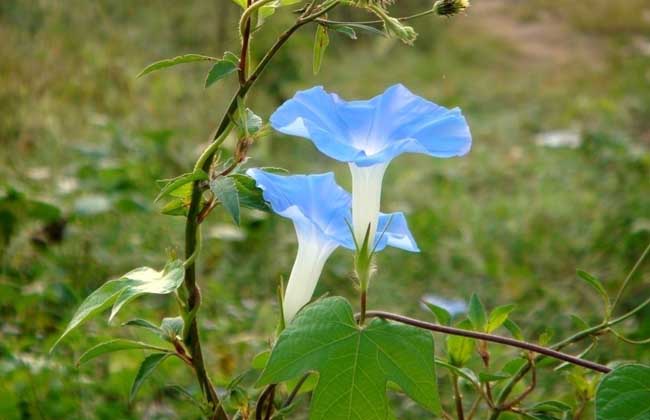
296,389
458,397
376,21
597,329
490,337
527,391
629,276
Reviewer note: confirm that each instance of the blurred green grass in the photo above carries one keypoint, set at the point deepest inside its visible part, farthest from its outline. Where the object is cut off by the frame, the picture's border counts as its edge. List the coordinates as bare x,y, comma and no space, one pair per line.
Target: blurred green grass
511,221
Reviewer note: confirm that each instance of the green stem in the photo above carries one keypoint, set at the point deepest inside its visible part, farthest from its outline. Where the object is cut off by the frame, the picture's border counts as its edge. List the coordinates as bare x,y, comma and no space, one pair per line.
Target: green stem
458,398
507,390
376,21
192,340
629,276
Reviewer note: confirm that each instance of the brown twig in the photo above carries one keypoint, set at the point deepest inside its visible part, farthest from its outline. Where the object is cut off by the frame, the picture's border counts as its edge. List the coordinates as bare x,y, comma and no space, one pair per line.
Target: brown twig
490,337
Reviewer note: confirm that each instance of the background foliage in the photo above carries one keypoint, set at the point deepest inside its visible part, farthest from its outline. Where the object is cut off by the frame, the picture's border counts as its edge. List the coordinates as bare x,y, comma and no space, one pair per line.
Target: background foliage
83,142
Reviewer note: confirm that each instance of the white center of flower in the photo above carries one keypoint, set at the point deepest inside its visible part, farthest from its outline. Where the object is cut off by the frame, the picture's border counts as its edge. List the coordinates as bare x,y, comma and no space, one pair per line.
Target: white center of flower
366,198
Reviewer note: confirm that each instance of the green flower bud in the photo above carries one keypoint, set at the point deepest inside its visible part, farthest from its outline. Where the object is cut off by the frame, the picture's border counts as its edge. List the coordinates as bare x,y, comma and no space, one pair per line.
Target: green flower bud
394,28
450,7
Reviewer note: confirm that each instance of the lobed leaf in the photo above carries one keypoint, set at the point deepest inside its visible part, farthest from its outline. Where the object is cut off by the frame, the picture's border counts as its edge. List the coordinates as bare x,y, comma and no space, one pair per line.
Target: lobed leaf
354,364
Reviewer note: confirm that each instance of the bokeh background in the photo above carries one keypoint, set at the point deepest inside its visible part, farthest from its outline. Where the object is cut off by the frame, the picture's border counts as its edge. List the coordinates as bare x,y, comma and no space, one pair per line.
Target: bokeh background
557,94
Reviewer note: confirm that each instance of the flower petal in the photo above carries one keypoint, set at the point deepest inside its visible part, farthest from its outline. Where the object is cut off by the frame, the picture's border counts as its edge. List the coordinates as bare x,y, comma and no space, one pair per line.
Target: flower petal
313,114
307,200
377,130
393,230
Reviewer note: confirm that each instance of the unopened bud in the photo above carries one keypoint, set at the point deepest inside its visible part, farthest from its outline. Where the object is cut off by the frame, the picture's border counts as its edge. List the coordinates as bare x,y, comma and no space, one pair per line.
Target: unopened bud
394,28
450,7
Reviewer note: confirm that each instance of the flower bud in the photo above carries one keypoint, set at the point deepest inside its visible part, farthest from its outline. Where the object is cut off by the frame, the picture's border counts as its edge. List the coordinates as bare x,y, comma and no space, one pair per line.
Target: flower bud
394,28
450,7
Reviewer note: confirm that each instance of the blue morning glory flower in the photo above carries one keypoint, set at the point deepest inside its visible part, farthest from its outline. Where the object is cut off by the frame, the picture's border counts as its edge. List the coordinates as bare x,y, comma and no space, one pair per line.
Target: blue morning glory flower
369,134
319,209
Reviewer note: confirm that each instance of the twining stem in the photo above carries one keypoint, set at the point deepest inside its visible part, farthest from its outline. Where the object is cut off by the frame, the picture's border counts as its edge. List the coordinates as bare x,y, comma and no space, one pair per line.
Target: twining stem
192,340
490,337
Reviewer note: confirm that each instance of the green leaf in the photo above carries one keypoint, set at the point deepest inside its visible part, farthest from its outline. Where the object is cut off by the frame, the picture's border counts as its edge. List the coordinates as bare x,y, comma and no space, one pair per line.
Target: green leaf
260,359
189,397
460,349
464,373
345,30
624,394
493,377
442,315
513,366
250,196
181,59
172,327
550,406
113,346
354,364
225,191
321,42
175,207
143,323
366,28
597,285
149,364
580,323
477,314
498,316
172,185
96,302
222,68
514,329
145,280
247,121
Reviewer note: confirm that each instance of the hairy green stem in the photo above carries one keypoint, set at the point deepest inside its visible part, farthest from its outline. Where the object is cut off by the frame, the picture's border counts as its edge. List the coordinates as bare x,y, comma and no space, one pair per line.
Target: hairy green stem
192,339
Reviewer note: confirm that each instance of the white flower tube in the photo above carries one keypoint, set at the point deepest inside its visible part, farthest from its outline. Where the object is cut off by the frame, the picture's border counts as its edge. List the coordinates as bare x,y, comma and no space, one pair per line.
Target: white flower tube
366,199
307,268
